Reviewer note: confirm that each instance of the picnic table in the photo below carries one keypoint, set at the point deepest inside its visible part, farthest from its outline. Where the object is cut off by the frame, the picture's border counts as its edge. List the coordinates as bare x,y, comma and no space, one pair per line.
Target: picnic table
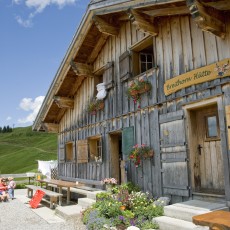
60,184
216,220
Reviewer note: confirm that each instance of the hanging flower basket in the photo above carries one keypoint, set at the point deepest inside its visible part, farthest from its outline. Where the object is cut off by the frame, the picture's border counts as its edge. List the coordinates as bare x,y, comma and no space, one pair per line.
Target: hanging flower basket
148,154
140,152
137,88
95,105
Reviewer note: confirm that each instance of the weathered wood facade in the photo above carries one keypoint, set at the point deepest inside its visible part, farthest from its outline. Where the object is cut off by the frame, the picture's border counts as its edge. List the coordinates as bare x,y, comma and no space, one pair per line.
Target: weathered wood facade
186,162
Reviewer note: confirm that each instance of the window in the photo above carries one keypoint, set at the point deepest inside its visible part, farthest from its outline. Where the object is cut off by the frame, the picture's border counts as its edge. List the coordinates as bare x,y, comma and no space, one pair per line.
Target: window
145,61
105,74
142,55
95,149
69,151
97,80
212,127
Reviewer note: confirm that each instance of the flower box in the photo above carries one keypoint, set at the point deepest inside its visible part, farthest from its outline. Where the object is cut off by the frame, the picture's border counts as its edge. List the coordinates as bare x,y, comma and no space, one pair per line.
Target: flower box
137,88
95,105
140,152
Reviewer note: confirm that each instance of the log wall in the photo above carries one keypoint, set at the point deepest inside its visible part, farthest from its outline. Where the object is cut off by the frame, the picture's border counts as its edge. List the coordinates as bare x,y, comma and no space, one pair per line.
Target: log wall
180,47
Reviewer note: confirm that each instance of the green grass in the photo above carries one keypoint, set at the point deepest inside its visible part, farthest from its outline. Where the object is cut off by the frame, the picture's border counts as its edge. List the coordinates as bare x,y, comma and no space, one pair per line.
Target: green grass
20,150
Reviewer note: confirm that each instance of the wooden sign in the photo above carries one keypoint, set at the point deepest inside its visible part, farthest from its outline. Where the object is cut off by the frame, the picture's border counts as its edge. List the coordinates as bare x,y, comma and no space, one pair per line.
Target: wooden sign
197,76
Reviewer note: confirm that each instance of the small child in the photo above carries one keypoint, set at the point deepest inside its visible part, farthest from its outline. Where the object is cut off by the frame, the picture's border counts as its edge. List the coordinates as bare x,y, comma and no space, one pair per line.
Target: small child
11,187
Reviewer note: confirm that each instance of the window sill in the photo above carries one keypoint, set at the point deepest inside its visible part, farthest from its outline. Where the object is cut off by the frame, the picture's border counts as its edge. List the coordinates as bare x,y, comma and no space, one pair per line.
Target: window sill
146,73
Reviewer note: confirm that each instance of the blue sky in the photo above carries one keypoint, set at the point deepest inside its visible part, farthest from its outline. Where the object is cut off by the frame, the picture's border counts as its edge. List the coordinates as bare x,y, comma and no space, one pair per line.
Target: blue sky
35,35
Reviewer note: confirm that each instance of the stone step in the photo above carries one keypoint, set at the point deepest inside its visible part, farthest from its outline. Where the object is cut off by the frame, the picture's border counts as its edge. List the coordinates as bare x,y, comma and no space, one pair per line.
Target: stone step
86,202
169,223
69,212
92,195
186,210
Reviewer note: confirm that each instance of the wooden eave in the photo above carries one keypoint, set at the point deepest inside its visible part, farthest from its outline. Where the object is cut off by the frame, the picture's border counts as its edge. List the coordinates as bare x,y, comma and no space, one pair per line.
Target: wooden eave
90,38
223,5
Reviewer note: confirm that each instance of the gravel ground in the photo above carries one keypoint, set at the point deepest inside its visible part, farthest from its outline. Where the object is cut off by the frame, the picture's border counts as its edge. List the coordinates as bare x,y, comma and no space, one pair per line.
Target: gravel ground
16,215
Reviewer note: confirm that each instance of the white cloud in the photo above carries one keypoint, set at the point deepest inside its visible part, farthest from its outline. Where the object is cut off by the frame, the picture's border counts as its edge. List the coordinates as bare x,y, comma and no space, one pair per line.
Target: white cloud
25,23
31,106
38,6
17,2
9,118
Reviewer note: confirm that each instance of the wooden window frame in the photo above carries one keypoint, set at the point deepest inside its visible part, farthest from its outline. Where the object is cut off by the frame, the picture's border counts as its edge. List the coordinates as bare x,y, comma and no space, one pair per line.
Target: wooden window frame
69,155
207,138
146,62
95,155
141,48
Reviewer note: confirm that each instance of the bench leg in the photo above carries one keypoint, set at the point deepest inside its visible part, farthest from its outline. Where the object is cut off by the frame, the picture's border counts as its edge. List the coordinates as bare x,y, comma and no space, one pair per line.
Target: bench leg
60,200
29,193
53,201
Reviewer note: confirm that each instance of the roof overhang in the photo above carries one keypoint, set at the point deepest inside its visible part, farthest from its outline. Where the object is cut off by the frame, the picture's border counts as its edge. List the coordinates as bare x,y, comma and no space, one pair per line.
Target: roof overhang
103,19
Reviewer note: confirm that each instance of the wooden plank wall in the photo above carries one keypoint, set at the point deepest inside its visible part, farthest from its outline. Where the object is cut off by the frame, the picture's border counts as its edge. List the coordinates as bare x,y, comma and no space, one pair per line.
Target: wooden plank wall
180,47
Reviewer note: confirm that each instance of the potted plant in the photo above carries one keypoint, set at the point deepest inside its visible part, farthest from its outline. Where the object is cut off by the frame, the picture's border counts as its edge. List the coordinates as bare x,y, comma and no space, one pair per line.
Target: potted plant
109,183
139,152
95,105
138,87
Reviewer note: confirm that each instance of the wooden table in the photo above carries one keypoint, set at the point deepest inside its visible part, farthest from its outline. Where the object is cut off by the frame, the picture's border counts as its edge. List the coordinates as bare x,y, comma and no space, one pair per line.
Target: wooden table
216,220
60,184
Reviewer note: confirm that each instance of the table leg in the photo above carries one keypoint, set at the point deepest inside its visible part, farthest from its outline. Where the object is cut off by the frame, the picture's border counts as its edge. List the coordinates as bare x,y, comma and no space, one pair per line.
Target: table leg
68,195
60,191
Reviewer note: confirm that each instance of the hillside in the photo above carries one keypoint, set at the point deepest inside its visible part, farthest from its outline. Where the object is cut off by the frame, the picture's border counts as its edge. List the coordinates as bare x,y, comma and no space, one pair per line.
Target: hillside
20,150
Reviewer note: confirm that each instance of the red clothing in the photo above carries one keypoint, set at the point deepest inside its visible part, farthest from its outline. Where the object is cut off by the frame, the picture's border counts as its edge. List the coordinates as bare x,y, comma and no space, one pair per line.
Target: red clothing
3,187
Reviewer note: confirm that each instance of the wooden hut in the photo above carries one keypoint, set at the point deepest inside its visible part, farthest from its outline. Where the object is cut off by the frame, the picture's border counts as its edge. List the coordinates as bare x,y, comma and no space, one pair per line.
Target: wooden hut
182,49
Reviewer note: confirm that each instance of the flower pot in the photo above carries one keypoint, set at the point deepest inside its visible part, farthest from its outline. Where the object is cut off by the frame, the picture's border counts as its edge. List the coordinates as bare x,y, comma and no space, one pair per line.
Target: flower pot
148,154
146,87
108,187
101,106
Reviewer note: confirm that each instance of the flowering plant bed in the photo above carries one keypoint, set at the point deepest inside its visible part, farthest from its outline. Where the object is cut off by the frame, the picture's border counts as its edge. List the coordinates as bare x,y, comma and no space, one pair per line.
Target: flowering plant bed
139,152
95,105
137,88
120,209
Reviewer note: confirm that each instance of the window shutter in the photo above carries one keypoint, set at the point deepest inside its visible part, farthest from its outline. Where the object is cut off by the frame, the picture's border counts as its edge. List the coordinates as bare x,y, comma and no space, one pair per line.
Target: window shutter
62,153
125,66
109,75
127,141
74,150
82,151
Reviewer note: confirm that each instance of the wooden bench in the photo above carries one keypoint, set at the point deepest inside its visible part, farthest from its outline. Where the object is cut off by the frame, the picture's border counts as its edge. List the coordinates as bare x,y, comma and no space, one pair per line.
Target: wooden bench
216,220
54,196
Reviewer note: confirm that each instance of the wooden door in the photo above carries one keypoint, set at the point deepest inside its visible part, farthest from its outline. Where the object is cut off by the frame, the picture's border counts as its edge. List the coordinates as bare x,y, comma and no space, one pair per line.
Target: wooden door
175,180
208,155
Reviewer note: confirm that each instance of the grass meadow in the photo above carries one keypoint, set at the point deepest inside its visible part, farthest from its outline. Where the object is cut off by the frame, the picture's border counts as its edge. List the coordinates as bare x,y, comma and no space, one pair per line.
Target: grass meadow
20,150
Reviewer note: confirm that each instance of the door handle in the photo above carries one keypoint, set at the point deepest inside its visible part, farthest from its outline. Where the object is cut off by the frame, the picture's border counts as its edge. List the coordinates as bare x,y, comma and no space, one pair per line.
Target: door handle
199,149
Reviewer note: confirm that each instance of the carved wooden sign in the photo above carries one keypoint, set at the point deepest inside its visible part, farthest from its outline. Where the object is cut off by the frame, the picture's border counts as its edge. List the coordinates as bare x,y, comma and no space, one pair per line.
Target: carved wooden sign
197,76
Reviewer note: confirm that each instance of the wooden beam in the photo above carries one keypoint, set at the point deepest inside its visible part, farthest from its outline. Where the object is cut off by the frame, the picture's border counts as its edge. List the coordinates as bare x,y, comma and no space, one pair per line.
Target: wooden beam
81,69
64,102
218,4
177,10
101,42
142,23
104,27
76,85
207,18
50,127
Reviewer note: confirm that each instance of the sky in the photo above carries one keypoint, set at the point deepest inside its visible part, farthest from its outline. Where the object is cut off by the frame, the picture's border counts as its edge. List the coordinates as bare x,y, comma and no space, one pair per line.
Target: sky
34,38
